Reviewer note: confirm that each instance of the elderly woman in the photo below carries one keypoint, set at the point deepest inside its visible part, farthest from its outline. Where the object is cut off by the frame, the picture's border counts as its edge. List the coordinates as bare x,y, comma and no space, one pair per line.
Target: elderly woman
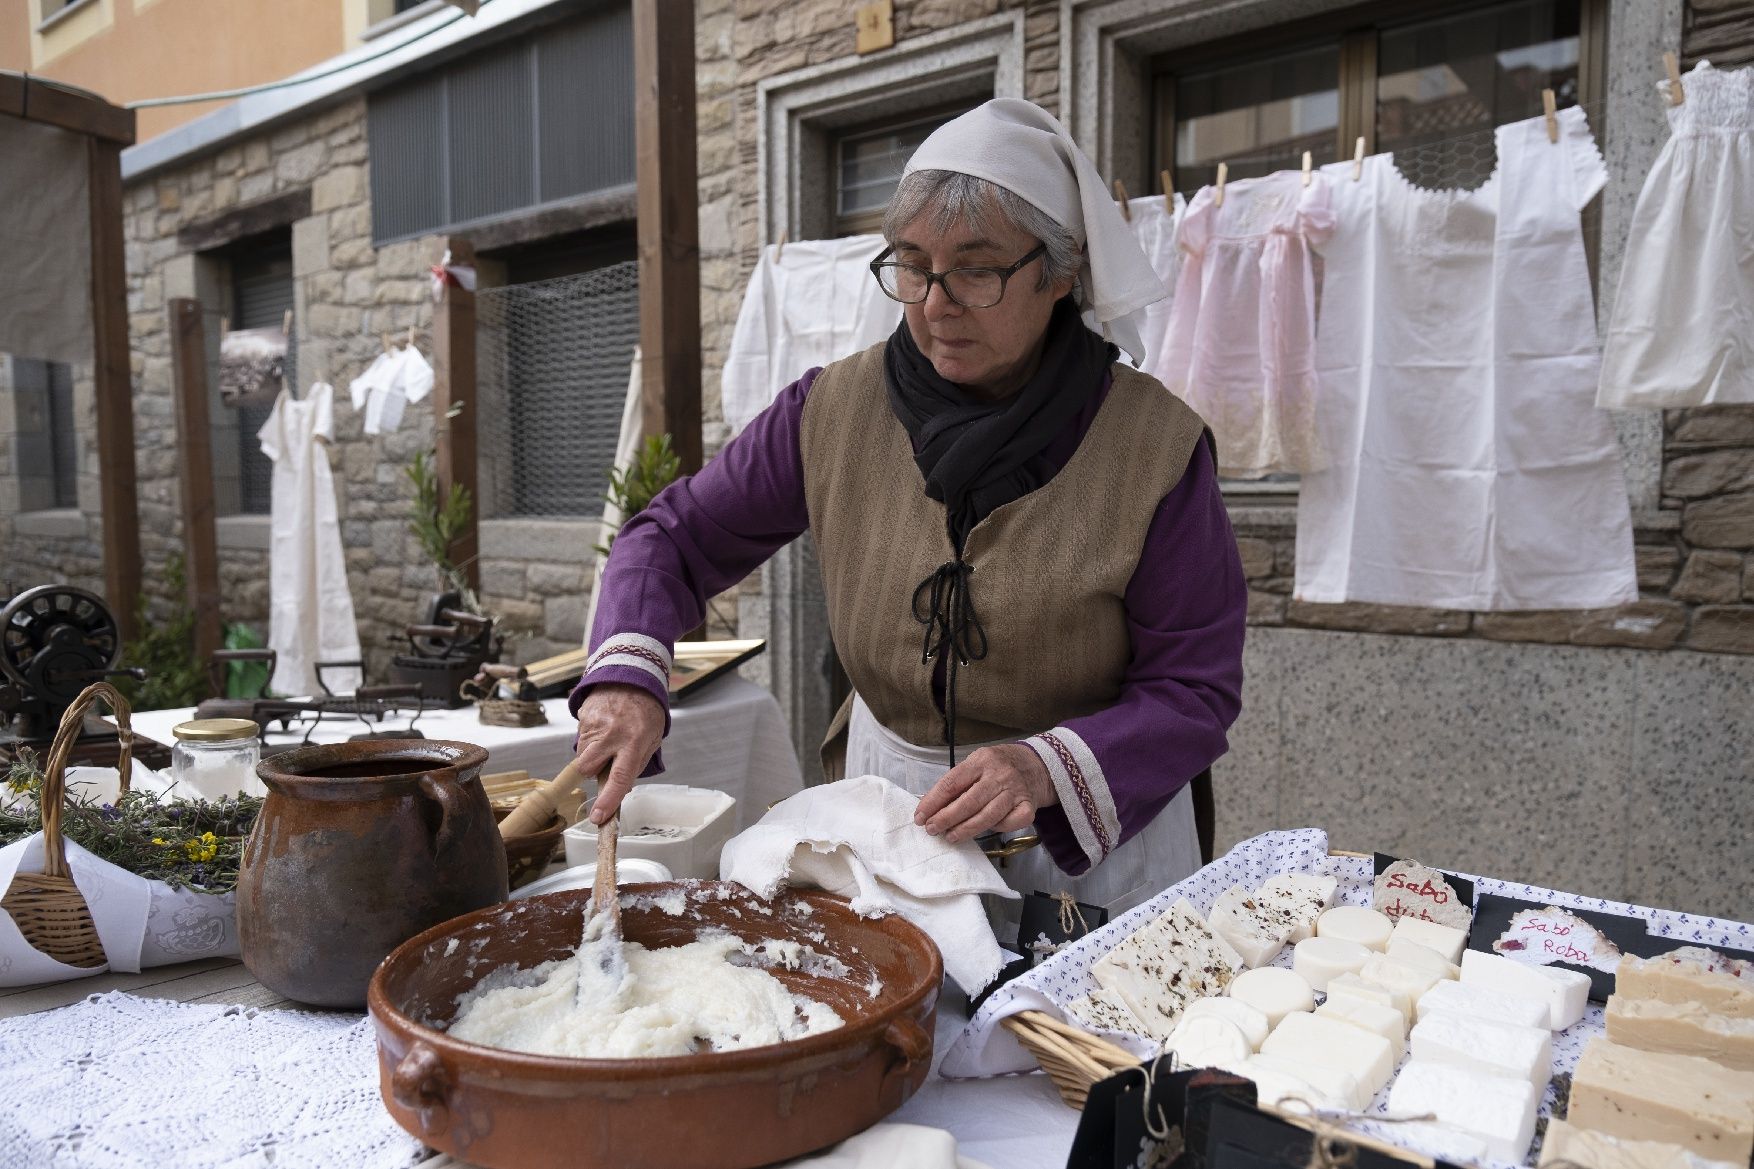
1030,575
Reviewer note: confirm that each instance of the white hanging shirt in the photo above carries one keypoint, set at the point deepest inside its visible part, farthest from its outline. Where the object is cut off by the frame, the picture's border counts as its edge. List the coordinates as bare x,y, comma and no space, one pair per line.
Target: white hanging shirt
1458,361
310,609
1155,226
1683,326
807,304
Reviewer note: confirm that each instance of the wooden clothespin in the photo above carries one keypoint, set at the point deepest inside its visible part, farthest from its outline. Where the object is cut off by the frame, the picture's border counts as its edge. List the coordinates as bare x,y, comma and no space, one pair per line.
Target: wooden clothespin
1551,105
410,336
286,323
1121,198
385,338
224,325
779,245
1672,65
1307,161
1358,159
1168,195
1223,176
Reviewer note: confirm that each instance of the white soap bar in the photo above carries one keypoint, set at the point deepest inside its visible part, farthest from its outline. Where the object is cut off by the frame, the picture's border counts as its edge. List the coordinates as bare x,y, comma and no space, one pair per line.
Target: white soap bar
1444,939
1502,1049
1351,986
1396,975
1273,991
1497,1109
1330,1082
1424,957
1256,929
1274,1086
1305,896
1566,992
1249,1020
1164,965
1354,923
1321,960
1373,1017
1466,998
1205,1041
1364,1055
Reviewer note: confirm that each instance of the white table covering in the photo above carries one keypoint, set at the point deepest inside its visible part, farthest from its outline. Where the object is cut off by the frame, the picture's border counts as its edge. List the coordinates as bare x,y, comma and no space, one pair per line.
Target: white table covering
730,735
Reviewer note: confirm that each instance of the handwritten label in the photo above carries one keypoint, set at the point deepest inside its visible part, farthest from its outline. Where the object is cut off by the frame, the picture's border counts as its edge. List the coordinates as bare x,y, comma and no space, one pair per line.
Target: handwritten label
1409,889
1541,937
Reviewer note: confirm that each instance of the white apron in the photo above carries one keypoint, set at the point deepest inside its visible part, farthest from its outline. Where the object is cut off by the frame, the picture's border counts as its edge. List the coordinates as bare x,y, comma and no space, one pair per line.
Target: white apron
1165,851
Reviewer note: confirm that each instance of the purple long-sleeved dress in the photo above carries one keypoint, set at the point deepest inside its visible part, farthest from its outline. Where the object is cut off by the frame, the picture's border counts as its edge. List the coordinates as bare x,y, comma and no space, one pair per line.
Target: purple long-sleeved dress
1185,604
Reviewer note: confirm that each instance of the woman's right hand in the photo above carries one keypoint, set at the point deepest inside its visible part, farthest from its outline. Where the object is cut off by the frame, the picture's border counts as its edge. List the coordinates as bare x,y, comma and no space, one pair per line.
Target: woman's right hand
620,728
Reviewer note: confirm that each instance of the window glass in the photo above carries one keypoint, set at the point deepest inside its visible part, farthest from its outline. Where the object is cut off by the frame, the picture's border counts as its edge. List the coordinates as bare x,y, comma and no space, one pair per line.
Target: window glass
1257,116
871,162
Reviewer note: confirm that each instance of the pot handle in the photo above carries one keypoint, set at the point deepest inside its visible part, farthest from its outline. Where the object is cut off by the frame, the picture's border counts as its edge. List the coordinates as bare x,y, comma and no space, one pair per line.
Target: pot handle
912,1046
457,813
421,1084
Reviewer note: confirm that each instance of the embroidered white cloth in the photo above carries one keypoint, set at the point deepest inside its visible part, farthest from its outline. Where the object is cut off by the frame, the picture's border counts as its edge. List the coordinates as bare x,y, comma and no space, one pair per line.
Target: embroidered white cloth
1457,352
1023,148
1155,225
1685,310
117,1082
1241,341
858,838
310,608
807,304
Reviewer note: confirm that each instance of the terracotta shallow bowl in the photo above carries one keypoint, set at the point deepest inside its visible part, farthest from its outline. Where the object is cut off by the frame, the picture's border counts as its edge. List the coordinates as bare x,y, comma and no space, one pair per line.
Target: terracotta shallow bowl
715,1110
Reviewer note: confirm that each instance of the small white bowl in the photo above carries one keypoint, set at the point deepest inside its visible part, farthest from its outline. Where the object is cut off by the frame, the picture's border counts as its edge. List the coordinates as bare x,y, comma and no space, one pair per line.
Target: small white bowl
628,871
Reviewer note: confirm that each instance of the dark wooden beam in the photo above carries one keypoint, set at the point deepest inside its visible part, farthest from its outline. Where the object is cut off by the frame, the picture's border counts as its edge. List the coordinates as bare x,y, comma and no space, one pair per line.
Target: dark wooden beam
241,223
454,399
66,106
669,231
11,93
112,374
195,472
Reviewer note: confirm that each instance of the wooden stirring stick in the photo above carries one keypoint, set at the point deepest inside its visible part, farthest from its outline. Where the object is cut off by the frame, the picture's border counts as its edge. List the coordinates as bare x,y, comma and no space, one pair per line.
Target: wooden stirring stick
536,809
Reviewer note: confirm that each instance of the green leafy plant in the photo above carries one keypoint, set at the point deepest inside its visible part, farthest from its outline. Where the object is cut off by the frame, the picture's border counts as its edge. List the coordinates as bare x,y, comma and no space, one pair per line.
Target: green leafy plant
166,651
438,519
654,467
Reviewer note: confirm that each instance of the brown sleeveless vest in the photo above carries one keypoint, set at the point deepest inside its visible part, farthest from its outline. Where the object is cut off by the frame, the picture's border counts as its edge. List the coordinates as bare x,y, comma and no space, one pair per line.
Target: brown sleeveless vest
1050,569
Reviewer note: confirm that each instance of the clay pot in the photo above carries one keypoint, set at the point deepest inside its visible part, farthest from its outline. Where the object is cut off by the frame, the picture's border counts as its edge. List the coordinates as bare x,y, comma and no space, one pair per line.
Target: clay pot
359,847
713,1110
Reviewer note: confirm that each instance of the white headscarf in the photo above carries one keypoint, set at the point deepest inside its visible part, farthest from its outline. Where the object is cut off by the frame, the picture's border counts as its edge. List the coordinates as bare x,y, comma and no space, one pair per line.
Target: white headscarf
1023,148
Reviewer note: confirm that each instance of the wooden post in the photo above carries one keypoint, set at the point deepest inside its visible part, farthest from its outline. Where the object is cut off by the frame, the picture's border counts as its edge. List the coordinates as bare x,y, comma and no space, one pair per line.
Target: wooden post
195,471
454,399
112,374
669,230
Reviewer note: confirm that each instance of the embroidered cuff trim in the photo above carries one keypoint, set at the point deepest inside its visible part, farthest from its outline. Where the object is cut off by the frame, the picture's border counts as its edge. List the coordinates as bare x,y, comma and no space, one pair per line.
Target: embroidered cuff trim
636,650
1083,790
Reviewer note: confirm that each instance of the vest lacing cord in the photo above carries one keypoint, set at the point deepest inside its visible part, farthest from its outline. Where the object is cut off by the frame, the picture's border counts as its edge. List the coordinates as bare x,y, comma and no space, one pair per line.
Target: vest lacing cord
942,604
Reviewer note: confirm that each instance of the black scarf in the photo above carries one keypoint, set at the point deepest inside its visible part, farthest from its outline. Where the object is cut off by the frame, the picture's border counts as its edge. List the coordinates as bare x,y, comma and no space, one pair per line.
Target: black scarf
977,456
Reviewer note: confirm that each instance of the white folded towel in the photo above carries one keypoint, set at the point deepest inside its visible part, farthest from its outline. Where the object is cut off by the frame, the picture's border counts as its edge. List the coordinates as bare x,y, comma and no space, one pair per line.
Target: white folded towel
858,838
886,1145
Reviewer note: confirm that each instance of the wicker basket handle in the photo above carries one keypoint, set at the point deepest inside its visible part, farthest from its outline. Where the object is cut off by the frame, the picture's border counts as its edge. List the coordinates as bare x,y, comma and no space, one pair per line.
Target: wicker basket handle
54,793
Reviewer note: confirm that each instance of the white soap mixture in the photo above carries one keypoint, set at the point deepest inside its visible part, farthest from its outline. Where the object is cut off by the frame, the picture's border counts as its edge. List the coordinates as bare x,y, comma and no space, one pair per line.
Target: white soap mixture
677,1001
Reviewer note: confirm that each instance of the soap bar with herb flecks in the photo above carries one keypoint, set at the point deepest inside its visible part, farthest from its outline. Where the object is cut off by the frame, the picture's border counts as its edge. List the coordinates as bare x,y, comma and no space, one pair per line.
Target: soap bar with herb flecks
1166,964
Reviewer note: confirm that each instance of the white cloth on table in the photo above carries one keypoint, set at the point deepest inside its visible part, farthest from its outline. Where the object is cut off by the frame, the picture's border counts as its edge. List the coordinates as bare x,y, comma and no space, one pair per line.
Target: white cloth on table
116,1082
310,609
808,303
1241,343
1683,326
1155,225
884,1146
1458,361
858,838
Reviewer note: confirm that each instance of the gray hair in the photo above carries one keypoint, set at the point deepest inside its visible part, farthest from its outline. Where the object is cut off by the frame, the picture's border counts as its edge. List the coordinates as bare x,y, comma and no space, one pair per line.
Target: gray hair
950,199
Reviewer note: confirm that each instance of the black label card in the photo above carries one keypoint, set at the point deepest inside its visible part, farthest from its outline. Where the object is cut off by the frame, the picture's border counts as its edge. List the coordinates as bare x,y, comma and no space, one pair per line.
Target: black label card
1047,923
1243,1137
1006,973
1132,1119
1586,940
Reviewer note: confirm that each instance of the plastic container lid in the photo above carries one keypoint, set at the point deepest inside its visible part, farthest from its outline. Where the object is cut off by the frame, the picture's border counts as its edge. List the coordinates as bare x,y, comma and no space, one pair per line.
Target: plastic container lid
216,730
628,871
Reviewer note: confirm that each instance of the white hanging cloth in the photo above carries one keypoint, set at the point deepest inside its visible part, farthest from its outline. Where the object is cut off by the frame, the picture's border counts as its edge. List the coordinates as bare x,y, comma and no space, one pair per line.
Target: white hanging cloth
808,303
310,609
1156,225
1458,361
395,378
1683,325
626,444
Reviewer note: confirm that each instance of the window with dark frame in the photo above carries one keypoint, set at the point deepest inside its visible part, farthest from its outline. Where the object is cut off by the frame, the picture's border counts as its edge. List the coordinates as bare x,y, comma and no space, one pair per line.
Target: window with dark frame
47,446
868,163
261,296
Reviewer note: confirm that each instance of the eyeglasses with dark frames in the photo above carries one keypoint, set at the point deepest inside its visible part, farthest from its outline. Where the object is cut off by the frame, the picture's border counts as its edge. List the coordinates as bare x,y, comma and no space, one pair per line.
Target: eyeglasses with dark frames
968,287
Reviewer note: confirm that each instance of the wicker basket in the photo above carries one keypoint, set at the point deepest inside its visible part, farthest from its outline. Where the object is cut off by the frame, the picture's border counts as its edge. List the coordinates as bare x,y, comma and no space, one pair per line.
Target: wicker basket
511,712
47,907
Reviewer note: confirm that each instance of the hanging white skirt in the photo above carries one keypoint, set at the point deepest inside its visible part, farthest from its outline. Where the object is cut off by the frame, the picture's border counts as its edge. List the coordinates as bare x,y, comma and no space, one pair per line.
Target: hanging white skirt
1165,851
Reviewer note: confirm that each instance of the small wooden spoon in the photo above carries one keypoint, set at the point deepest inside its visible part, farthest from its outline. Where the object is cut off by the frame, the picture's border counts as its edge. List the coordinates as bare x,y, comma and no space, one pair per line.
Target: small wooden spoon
603,975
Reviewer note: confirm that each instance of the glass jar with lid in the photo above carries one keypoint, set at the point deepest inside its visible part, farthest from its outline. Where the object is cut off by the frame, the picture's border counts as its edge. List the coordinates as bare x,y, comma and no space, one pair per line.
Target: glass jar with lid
216,757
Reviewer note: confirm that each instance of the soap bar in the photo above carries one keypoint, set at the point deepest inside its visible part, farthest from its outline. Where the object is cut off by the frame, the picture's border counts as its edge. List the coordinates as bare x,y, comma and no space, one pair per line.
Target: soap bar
1330,1083
1207,1041
1393,974
1249,1020
1275,1086
1682,1028
1384,1021
1256,929
1598,1150
1273,991
1501,1049
1497,1109
1351,986
1320,960
1363,1055
1566,992
1304,896
1655,1096
1106,1010
1469,999
1442,938
1424,957
1166,964
1354,923
1693,974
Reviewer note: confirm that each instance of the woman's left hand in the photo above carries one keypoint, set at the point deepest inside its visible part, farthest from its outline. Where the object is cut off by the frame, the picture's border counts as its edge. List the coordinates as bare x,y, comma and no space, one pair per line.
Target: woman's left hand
994,789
